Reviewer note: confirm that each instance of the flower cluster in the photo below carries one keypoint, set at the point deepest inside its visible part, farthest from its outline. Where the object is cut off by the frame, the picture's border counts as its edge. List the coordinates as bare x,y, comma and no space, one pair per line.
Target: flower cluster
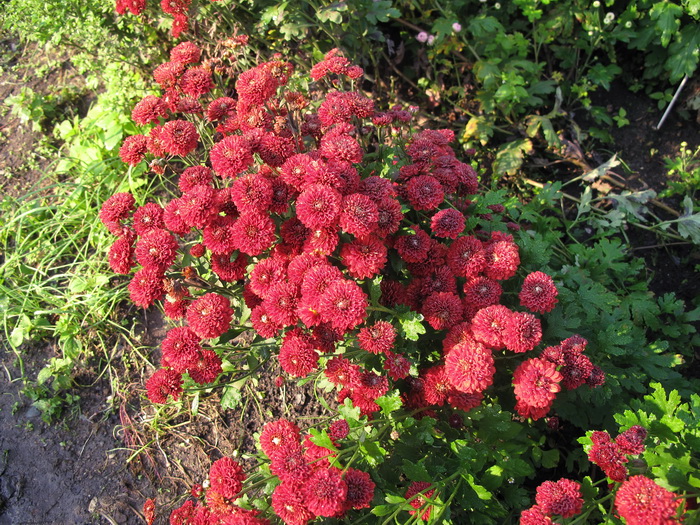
178,9
611,455
561,498
309,486
287,211
640,501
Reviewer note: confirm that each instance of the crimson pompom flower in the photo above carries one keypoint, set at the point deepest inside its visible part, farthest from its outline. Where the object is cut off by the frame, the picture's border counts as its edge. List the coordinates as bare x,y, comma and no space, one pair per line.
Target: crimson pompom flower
359,215
562,497
436,385
631,441
154,144
252,193
318,206
535,515
378,338
185,53
256,85
180,348
210,315
489,325
316,281
442,310
424,192
265,274
163,383
396,365
640,501
522,333
338,430
447,223
135,6
364,257
116,209
229,270
175,7
297,356
167,74
576,371
390,216
340,146
343,305
418,500
288,504
226,477
263,323
502,260
479,293
146,287
196,82
341,371
253,233
148,110
414,248
156,248
193,176
134,149
322,241
179,137
466,257
207,367
121,254
279,438
281,303
538,294
360,489
470,367
325,492
536,383
231,156
196,207
608,456
147,218
217,235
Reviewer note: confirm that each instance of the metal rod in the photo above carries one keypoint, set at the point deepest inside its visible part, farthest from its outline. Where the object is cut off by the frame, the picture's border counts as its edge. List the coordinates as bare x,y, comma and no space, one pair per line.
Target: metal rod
673,101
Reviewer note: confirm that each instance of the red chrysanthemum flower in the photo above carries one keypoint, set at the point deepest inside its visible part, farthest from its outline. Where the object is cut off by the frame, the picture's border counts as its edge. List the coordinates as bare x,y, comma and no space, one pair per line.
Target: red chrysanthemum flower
252,193
318,206
281,303
197,206
297,356
343,305
562,497
167,74
418,500
288,504
147,218
134,149
535,515
221,109
378,338
179,137
194,176
301,264
522,333
121,254
340,371
396,365
210,316
322,241
253,233
175,308
464,401
393,293
436,385
489,325
156,248
338,430
359,215
265,274
229,270
279,438
175,7
134,6
364,257
207,368
217,235
447,223
631,441
466,257
536,383
299,169
255,86
164,383
640,501
390,216
442,310
325,492
609,457
146,287
424,192
274,149
196,82
576,371
538,294
470,367
340,146
154,144
115,210
479,293
414,248
180,348
502,260
185,53
231,156
148,110
263,323
226,477
360,489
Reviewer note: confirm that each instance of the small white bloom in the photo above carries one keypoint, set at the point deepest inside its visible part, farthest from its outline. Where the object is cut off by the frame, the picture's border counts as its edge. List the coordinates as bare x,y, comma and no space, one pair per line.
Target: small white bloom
431,39
596,3
497,5
422,37
456,27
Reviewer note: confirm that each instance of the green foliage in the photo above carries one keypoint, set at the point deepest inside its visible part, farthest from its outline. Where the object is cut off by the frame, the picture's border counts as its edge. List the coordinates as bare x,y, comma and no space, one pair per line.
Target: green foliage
683,172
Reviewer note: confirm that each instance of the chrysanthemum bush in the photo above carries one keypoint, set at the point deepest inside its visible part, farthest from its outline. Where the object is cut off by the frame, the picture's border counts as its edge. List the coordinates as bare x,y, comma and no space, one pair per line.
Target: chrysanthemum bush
351,247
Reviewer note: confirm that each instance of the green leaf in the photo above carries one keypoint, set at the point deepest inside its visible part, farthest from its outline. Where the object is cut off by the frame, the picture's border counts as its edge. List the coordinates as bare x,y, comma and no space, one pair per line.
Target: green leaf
509,157
389,403
666,16
332,13
415,471
231,397
411,326
322,439
21,331
382,510
689,222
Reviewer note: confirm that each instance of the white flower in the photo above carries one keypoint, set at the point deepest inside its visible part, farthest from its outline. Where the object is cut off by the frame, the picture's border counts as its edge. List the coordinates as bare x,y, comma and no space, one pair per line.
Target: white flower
456,27
422,37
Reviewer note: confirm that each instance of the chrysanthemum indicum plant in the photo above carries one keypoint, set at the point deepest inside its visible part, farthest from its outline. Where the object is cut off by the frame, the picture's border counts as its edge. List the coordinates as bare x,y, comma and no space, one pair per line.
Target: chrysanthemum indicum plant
356,246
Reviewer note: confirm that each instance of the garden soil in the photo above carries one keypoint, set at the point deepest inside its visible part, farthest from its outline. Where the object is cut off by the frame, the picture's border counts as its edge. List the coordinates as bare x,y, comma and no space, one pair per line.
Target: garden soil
108,454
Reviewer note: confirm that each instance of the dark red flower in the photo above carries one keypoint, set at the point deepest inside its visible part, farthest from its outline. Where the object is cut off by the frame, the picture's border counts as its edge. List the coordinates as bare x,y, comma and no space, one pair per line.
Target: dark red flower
207,367
297,356
281,303
231,156
416,496
522,333
115,210
536,383
489,325
288,504
134,149
180,348
338,430
378,338
360,489
470,367
448,223
164,383
424,192
640,501
538,294
196,81
359,215
414,248
442,310
396,365
253,233
156,248
318,206
466,257
210,316
502,260
562,497
631,441
185,53
121,254
343,305
279,438
149,109
226,477
179,137
146,287
194,176
325,492
535,515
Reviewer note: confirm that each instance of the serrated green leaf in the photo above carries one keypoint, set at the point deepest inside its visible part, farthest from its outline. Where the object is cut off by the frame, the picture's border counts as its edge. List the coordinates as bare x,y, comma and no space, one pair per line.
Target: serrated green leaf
666,17
509,157
389,403
382,510
415,471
